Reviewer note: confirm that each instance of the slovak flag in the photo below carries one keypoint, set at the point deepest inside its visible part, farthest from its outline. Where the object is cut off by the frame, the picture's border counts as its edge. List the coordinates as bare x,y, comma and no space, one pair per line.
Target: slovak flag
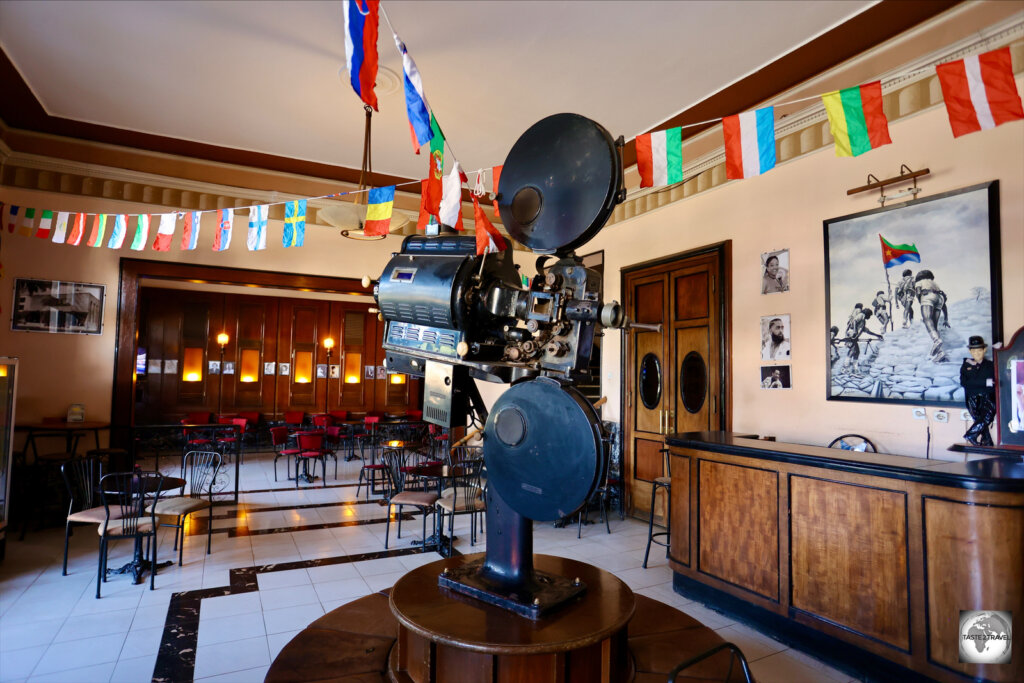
361,47
749,143
980,92
415,101
222,238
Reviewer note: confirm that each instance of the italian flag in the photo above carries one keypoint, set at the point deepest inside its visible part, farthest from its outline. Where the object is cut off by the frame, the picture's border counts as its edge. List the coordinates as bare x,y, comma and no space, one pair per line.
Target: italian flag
659,157
980,92
856,119
45,225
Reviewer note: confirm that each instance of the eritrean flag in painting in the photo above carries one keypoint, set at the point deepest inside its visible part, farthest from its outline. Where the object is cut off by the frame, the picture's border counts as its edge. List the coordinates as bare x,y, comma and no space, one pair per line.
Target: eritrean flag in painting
895,254
856,119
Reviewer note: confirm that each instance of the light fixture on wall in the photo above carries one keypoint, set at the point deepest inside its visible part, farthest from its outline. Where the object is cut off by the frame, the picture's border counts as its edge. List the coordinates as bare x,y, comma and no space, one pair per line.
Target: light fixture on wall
222,341
905,175
329,345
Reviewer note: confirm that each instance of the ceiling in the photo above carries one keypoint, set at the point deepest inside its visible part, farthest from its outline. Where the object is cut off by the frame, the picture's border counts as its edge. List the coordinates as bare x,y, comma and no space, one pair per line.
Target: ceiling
269,77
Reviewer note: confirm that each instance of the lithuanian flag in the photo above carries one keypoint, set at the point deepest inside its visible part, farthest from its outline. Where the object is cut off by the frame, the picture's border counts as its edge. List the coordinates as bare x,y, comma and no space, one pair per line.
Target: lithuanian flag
895,254
856,119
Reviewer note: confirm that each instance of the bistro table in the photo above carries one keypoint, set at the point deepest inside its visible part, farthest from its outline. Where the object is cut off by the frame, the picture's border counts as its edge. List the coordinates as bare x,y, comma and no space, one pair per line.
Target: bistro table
59,427
139,564
440,473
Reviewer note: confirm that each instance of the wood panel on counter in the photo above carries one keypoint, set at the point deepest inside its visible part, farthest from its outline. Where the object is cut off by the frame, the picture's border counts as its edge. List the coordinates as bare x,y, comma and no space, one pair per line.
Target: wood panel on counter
836,549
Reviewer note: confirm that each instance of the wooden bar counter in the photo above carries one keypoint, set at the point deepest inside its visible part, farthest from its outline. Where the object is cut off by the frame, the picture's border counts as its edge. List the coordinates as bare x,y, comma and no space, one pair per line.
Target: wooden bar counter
831,548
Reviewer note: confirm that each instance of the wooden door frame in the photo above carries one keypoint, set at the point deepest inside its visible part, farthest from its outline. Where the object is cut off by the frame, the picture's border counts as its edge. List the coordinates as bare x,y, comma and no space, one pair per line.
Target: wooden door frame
724,252
133,272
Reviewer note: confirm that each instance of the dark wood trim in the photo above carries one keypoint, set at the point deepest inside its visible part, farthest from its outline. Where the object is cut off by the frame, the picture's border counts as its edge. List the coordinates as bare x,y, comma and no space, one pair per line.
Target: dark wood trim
135,271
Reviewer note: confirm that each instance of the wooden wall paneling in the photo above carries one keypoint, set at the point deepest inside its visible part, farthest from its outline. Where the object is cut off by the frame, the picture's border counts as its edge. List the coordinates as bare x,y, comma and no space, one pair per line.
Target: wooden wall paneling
249,333
679,540
194,326
848,555
353,358
738,537
972,559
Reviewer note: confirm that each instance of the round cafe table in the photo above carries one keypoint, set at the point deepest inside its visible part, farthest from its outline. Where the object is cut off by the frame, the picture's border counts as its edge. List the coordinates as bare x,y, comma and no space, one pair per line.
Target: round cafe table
139,564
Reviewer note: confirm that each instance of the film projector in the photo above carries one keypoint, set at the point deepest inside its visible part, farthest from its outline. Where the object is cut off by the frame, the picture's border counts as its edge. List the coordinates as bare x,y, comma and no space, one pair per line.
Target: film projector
453,317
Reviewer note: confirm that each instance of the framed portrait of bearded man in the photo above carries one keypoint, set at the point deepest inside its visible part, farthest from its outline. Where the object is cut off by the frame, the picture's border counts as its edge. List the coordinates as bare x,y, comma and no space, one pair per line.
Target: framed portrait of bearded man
906,288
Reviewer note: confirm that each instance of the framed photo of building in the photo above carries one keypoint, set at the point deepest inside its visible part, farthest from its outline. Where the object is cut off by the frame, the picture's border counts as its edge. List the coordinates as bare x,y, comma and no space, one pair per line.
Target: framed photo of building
905,288
775,271
57,306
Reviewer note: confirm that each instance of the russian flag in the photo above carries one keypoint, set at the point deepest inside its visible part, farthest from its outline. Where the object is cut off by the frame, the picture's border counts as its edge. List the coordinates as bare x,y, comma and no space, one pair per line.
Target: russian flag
749,143
361,47
415,101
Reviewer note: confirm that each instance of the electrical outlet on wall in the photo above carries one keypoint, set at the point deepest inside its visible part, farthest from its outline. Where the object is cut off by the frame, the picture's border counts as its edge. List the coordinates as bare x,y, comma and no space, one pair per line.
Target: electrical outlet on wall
965,415
920,414
941,416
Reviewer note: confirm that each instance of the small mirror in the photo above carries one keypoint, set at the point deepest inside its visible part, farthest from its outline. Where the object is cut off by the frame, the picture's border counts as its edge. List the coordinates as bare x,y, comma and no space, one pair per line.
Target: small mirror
693,382
650,381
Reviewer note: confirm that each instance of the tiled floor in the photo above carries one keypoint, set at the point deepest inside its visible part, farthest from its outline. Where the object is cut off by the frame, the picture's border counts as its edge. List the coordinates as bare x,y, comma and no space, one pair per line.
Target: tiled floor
280,559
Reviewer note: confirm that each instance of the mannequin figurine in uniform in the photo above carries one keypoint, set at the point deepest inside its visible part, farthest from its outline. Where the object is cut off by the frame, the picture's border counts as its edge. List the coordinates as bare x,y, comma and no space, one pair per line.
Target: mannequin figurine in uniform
977,375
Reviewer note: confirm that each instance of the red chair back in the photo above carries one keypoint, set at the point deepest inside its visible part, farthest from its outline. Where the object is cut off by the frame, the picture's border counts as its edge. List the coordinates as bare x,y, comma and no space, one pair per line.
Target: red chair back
278,436
334,431
339,415
371,420
294,417
415,414
322,420
197,418
251,415
310,441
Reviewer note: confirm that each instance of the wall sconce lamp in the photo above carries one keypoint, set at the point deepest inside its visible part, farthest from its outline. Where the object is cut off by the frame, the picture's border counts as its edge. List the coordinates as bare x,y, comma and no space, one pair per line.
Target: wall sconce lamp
329,345
222,340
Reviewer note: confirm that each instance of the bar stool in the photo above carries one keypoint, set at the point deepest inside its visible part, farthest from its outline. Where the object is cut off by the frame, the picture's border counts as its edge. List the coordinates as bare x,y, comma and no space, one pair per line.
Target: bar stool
658,484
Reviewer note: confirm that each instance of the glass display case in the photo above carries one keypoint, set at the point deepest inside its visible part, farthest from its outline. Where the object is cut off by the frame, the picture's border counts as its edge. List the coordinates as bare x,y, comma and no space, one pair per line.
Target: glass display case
8,386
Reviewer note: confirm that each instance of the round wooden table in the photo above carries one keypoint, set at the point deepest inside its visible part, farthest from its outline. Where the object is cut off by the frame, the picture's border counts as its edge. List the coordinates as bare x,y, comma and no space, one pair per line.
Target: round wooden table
444,636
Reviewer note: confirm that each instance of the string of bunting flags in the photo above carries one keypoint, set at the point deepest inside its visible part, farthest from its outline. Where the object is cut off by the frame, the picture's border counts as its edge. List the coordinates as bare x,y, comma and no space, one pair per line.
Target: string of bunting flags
979,92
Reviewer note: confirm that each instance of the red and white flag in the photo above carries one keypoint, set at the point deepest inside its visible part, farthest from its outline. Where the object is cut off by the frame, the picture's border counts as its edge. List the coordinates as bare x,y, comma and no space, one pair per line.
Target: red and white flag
488,239
450,213
165,231
980,92
77,230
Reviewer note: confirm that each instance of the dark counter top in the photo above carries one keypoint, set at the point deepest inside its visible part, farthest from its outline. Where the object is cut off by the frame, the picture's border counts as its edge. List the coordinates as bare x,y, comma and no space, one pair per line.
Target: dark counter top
990,474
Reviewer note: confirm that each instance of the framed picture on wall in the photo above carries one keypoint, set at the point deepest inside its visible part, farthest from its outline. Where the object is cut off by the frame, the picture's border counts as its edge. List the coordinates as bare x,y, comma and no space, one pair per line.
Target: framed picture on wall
905,288
1009,362
775,271
776,377
58,307
775,344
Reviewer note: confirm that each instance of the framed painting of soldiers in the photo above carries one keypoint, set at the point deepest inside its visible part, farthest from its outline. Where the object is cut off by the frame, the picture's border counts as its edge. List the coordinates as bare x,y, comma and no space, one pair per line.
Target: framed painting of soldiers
906,287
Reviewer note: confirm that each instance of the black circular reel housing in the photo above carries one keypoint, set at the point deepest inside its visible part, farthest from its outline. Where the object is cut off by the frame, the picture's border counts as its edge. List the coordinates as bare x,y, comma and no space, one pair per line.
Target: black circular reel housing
543,449
560,183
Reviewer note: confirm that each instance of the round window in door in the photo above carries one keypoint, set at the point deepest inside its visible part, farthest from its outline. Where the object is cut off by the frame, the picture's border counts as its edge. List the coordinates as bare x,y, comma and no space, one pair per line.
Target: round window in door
693,382
650,381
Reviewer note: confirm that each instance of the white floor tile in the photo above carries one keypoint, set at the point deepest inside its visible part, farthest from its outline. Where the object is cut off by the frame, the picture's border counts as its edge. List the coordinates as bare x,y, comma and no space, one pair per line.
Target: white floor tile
226,629
16,665
229,605
291,618
82,653
99,673
237,655
134,670
288,597
282,579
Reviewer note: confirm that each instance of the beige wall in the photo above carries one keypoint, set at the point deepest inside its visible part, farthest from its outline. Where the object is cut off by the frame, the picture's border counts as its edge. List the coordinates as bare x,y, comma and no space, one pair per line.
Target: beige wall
785,209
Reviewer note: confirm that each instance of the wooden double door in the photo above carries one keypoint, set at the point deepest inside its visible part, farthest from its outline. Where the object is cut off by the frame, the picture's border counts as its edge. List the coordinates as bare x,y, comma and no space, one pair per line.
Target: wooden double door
675,377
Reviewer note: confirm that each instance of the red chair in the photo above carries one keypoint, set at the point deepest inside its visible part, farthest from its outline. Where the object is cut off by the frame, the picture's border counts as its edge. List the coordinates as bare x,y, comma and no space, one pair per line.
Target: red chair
279,440
325,424
253,429
232,440
373,472
196,440
438,442
339,415
311,447
294,418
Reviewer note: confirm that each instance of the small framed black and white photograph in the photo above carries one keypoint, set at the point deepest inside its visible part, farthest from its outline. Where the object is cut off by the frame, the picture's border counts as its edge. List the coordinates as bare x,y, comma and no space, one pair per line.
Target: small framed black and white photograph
775,331
270,368
284,369
171,366
321,371
775,271
776,377
57,307
335,372
229,367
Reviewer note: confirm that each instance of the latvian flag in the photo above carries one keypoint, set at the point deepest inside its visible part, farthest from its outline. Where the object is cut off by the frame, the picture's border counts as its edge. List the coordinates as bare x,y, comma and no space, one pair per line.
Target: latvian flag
165,231
749,143
856,119
980,92
659,157
222,238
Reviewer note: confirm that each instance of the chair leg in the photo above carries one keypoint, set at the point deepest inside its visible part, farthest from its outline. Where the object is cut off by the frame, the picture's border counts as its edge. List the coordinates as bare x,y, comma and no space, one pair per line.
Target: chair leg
424,511
275,466
99,569
67,531
387,527
152,567
650,525
399,521
209,531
